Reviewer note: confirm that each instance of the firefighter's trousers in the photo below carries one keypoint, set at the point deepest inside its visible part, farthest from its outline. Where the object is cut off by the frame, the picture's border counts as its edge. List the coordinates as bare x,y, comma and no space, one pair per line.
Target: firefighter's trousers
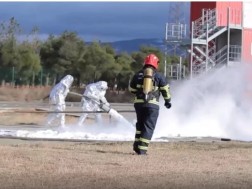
145,126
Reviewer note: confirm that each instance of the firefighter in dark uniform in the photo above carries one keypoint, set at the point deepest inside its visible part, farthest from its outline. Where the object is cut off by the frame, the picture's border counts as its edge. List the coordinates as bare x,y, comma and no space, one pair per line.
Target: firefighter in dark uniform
147,84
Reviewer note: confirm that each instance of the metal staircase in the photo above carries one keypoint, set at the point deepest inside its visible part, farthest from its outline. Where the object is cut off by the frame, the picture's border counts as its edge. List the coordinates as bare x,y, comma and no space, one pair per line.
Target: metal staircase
204,55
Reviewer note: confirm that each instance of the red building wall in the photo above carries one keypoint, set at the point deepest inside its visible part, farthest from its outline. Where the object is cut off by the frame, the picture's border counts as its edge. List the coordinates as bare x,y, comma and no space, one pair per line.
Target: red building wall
221,9
247,45
196,8
235,13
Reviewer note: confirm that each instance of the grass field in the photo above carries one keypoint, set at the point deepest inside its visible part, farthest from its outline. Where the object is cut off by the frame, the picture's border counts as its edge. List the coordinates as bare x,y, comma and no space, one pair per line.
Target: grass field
45,164
195,164
185,164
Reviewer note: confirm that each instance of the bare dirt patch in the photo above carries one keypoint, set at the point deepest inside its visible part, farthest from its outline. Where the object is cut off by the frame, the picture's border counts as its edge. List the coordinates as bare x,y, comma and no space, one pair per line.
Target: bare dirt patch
29,93
24,93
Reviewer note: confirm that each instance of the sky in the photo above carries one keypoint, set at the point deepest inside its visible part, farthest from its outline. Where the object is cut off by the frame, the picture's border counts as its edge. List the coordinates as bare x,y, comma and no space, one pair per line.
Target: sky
104,21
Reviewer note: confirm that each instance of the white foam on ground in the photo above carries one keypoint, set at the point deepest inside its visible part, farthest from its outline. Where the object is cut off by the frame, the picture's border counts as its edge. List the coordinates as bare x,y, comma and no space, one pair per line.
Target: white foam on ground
112,132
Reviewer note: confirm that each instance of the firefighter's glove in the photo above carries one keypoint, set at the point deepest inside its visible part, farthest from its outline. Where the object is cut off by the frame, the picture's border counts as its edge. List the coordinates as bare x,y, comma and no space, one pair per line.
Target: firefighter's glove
168,104
102,103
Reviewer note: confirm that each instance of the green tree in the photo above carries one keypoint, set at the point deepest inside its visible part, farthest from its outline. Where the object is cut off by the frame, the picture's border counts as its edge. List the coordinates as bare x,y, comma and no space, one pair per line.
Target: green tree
126,72
9,56
29,63
97,61
109,49
138,61
63,55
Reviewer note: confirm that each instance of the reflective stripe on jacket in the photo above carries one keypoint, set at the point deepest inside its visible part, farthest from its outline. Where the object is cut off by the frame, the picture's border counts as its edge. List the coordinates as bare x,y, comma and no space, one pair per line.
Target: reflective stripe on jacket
160,85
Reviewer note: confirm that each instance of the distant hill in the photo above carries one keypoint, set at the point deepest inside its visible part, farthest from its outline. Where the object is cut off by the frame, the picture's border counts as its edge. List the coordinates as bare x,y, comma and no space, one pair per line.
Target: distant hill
130,46
135,44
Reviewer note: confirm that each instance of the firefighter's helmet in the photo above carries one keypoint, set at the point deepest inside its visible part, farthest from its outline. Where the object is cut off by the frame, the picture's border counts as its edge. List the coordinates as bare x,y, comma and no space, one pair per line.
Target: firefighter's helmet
152,60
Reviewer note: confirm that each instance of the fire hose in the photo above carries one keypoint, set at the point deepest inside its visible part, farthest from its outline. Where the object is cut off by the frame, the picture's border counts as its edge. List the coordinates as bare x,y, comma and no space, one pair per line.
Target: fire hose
103,106
112,112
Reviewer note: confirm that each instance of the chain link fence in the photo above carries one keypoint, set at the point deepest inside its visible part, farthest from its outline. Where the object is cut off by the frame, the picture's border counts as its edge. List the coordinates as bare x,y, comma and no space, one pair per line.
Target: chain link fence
12,77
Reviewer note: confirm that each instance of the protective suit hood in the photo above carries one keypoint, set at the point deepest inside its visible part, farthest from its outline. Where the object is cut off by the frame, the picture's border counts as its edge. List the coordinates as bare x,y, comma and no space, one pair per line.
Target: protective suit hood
67,81
102,85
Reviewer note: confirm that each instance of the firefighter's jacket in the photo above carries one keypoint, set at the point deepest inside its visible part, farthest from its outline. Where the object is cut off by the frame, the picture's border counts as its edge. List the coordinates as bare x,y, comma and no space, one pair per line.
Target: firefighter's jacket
160,85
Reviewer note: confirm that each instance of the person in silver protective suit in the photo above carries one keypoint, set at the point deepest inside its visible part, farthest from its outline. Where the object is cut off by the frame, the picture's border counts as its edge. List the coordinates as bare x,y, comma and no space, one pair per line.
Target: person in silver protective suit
57,100
93,99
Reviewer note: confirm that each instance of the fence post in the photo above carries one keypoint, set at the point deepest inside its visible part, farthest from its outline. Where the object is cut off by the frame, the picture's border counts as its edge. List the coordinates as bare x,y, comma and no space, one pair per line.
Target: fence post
33,78
13,76
41,77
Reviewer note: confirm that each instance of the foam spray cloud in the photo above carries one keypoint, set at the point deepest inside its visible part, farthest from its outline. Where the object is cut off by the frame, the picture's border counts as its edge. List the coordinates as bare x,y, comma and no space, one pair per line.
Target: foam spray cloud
216,104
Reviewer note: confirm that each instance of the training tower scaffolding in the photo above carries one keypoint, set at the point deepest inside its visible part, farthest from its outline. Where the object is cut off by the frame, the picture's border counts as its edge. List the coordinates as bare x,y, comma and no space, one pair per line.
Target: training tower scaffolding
221,35
175,32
